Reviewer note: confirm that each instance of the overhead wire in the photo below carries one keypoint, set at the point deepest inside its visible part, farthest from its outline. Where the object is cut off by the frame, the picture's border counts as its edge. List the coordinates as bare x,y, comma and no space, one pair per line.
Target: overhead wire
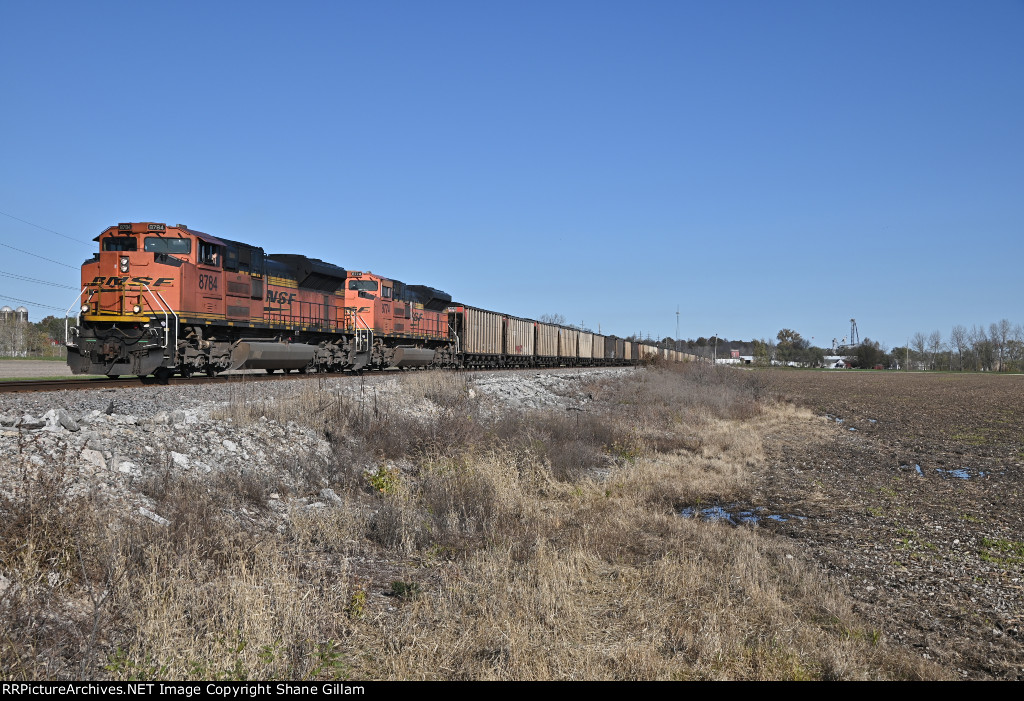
41,282
57,233
36,255
37,304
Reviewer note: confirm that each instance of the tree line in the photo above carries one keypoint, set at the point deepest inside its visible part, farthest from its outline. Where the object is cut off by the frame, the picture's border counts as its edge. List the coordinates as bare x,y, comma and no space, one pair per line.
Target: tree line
996,348
42,339
999,348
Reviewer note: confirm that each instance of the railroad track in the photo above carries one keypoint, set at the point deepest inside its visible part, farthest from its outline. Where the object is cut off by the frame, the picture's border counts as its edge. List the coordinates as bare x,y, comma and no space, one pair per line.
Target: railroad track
16,386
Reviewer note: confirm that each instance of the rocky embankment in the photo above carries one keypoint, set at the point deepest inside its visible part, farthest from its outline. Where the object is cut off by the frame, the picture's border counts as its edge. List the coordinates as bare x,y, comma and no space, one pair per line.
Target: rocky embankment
111,440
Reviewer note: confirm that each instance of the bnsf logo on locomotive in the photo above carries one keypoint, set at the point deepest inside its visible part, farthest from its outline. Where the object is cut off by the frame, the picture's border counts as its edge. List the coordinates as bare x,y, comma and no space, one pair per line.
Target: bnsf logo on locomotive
280,297
114,281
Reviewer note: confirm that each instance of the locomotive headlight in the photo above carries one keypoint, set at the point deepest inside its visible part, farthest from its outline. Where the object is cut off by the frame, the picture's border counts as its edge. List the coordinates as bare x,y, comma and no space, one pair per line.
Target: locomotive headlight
136,309
124,264
85,308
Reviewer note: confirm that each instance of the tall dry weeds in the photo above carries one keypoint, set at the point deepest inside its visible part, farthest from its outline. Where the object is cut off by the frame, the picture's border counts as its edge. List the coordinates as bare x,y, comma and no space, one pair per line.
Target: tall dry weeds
471,541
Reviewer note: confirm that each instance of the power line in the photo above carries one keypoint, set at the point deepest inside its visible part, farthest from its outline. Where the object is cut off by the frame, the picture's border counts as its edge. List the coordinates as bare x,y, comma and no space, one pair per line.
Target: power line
51,260
41,282
69,238
35,304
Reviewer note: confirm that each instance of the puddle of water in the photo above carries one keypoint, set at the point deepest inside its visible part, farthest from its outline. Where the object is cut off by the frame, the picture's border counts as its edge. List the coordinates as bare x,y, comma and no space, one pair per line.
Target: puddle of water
713,513
736,516
874,421
959,473
852,428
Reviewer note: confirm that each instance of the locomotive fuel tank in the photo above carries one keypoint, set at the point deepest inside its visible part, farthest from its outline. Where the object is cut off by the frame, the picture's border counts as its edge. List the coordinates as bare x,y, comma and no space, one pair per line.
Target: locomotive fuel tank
271,356
407,357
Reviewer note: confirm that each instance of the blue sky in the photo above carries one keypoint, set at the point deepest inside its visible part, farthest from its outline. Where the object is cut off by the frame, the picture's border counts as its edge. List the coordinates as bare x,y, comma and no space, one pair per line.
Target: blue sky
758,165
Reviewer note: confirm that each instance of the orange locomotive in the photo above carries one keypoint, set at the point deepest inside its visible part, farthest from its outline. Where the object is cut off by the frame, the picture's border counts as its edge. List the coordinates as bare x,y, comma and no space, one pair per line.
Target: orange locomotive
160,299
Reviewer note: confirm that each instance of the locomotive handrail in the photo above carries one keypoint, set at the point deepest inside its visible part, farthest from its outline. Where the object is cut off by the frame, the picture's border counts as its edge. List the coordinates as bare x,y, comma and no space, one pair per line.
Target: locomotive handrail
456,337
67,338
166,309
369,345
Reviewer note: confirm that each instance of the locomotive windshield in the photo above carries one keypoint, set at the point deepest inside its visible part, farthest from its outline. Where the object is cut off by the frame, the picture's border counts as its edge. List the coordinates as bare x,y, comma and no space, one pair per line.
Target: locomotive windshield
363,285
120,243
159,245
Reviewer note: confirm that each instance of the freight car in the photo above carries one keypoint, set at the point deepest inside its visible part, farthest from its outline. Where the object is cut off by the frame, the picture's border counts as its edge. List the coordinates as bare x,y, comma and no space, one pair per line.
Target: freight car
160,299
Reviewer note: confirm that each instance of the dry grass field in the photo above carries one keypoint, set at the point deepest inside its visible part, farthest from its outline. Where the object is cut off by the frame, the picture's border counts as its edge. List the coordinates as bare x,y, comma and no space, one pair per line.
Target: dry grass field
458,538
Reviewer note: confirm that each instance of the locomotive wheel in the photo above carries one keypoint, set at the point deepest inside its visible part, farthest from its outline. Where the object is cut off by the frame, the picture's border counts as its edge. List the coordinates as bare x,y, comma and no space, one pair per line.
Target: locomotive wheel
270,371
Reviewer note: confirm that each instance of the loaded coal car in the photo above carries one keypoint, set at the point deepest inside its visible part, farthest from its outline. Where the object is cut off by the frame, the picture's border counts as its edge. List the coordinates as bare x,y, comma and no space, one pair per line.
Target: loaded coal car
597,352
158,299
480,335
546,343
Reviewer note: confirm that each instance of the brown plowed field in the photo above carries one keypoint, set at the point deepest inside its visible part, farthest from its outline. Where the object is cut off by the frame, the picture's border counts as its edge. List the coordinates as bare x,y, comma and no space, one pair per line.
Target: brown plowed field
911,487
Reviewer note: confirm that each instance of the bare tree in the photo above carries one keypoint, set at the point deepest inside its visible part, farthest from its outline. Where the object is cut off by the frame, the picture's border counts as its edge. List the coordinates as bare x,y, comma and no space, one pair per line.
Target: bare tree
557,319
1015,348
12,336
958,340
999,334
934,346
919,342
981,346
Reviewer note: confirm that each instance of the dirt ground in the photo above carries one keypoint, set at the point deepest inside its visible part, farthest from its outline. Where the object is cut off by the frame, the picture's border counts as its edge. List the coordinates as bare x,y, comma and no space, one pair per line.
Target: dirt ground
910,488
34,368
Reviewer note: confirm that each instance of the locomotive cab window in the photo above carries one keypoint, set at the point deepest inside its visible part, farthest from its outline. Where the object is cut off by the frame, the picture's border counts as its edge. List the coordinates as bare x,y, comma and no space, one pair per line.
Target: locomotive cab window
209,254
385,292
363,285
160,245
121,243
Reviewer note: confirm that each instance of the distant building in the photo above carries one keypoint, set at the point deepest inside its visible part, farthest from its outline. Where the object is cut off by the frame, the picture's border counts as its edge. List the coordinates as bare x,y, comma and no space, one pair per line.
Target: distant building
836,362
19,314
736,359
